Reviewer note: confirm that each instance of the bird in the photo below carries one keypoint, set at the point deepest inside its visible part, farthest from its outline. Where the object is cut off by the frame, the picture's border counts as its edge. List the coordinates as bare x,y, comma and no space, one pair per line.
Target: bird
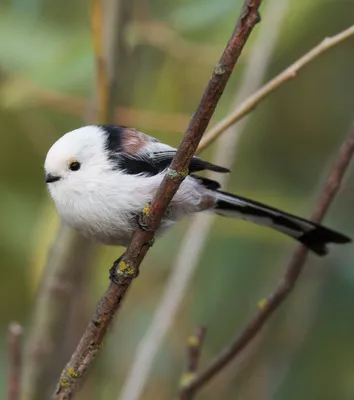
100,177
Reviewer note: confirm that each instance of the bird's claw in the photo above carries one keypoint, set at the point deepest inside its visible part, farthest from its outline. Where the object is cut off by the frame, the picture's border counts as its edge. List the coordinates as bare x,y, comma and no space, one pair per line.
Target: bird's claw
113,271
141,224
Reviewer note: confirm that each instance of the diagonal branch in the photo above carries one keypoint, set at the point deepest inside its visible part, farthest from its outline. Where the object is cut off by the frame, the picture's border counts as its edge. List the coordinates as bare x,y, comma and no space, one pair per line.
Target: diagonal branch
289,73
268,305
128,267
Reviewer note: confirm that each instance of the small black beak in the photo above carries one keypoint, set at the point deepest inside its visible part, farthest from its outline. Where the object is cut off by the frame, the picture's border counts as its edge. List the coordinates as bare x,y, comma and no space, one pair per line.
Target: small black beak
49,178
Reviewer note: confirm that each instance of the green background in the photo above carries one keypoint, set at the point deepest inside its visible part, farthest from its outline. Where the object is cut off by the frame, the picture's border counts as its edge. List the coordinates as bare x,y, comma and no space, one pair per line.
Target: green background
307,349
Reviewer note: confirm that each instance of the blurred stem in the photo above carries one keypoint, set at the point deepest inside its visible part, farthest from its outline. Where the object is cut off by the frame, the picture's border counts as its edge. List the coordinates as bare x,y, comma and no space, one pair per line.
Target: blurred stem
70,253
289,73
194,348
194,240
101,68
14,361
118,14
109,20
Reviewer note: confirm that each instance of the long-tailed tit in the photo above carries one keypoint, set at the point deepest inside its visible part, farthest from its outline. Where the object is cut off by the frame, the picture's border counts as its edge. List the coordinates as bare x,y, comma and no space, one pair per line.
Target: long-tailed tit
101,177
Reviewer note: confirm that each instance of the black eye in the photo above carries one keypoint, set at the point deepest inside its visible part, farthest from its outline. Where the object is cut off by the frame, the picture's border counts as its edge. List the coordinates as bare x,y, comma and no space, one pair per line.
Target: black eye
74,165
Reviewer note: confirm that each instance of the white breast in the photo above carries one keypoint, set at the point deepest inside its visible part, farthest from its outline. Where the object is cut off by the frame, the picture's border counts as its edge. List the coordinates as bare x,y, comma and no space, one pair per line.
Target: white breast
105,209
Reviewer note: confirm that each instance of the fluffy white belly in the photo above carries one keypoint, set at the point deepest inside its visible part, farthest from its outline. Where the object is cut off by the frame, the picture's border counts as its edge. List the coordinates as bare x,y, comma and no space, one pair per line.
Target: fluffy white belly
107,211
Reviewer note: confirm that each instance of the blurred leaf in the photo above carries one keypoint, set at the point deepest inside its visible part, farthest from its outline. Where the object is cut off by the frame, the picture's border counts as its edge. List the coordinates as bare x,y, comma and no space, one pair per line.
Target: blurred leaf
47,54
200,14
15,92
17,214
31,8
43,234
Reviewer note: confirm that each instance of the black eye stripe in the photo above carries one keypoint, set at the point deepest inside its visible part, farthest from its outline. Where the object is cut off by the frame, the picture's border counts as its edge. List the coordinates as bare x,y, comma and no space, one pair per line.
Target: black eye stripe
74,166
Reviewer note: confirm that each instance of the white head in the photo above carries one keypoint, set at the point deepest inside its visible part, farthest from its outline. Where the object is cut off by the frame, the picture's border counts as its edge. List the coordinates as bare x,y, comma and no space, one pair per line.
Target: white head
77,154
93,190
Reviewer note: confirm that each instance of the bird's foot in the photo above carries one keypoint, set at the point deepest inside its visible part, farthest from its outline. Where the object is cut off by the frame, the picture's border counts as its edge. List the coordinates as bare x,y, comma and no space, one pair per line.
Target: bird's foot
113,270
142,217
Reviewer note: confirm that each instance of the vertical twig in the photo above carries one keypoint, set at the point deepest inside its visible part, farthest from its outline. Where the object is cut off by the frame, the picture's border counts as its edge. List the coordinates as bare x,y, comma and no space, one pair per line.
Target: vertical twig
101,63
268,305
128,266
14,365
194,348
257,60
118,15
109,20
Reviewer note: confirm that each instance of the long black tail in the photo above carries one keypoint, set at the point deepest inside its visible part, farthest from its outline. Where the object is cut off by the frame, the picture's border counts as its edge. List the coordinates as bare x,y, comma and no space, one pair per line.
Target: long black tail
314,236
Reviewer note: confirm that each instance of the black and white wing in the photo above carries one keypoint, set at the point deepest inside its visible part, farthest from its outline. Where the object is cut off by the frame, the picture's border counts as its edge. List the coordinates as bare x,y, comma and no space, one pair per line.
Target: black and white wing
137,153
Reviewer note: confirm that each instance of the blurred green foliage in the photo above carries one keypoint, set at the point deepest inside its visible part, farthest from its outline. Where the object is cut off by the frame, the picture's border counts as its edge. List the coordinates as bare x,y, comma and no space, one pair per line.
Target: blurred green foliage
45,47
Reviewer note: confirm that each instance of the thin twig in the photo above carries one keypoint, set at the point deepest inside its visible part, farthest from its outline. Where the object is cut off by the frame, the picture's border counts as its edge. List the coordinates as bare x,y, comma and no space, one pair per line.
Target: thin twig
195,343
101,64
15,361
257,58
268,305
118,15
128,267
291,72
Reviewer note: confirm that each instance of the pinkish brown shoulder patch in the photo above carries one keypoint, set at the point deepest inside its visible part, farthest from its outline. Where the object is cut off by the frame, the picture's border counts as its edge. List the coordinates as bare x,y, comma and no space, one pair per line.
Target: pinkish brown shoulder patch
133,140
